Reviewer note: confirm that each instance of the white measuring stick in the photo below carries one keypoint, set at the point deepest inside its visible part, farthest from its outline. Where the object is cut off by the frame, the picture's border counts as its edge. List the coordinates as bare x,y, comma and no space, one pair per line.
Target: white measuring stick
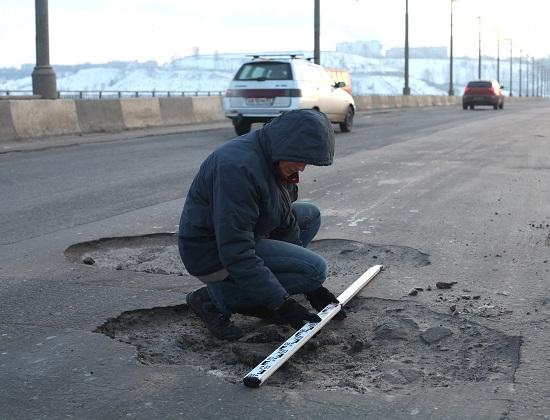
275,360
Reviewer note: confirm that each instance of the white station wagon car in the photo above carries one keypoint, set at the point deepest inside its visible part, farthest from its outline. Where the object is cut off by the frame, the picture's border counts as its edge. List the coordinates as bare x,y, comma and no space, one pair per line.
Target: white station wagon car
266,87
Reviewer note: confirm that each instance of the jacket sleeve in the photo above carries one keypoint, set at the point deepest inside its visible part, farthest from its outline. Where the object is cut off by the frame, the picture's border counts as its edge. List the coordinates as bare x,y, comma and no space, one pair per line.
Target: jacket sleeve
289,230
235,212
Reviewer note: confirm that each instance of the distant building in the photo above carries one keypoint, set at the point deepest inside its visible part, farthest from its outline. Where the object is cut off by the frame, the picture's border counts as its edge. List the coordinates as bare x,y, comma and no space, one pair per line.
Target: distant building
371,49
418,52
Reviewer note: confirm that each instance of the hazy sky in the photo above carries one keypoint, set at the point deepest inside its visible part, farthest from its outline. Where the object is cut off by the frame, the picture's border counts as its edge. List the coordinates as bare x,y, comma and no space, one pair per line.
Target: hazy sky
102,30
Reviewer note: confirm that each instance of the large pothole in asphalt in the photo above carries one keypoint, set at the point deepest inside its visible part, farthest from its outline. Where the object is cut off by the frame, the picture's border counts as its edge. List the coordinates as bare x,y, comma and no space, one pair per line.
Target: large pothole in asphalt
158,254
383,344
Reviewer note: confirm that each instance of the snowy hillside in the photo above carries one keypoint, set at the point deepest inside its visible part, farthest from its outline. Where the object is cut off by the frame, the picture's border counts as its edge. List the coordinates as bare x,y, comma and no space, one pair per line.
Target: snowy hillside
383,76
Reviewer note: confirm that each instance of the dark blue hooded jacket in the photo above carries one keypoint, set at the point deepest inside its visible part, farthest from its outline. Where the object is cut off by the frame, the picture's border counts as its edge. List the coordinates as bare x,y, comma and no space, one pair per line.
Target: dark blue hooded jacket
238,196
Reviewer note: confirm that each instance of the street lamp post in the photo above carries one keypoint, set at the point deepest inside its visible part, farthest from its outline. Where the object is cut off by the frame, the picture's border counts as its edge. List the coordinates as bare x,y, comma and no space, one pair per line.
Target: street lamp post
533,76
546,82
43,76
540,78
543,83
508,39
520,81
451,90
511,63
537,71
479,49
527,75
317,32
533,69
536,76
498,56
406,89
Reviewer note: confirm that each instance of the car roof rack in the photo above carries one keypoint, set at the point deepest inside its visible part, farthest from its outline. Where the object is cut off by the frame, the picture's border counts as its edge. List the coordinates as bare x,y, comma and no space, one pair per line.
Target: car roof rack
292,56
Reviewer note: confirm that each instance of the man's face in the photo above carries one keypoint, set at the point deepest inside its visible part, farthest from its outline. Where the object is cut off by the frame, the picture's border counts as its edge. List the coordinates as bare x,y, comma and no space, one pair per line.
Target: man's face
288,168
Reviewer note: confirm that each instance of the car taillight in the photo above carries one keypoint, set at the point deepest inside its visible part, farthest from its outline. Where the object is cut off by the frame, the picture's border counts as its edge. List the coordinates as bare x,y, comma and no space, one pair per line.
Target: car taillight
467,90
491,91
294,93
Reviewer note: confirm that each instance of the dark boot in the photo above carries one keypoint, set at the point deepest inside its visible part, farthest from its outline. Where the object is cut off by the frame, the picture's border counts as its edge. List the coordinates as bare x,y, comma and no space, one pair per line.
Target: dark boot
218,324
321,297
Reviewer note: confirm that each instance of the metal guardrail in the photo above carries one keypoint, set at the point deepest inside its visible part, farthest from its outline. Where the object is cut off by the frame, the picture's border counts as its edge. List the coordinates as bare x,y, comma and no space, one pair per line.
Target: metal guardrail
116,94
15,93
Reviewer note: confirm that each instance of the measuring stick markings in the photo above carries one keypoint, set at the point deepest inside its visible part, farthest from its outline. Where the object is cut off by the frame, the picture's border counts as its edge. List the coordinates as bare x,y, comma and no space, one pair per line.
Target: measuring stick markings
291,343
272,362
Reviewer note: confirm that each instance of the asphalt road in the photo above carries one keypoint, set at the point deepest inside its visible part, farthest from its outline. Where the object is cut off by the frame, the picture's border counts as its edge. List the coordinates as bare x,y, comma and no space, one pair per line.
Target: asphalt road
59,188
469,188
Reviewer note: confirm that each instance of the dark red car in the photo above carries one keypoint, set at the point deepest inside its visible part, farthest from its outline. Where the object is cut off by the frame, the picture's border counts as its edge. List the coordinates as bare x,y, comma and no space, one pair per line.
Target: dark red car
483,92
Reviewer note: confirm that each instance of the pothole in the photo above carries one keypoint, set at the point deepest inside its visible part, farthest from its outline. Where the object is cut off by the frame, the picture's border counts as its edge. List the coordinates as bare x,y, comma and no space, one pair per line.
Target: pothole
349,257
158,254
383,344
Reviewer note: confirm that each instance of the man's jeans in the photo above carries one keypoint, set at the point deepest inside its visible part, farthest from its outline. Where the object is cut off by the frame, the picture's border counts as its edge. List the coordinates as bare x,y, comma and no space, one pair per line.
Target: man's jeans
298,269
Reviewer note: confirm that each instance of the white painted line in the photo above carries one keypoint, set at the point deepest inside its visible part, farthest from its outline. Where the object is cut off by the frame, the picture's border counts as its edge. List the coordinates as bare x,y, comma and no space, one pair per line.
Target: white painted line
271,363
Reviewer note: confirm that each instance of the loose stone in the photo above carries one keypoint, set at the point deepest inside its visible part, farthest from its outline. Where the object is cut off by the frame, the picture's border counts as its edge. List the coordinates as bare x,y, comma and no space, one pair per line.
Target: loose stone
445,284
88,261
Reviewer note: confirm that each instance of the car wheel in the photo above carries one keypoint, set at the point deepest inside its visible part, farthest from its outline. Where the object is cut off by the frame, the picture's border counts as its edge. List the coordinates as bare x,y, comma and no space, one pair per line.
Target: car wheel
495,106
471,107
242,126
501,106
464,106
347,124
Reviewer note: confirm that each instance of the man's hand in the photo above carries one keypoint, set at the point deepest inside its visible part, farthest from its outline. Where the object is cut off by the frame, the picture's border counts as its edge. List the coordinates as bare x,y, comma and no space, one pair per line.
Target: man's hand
321,297
291,312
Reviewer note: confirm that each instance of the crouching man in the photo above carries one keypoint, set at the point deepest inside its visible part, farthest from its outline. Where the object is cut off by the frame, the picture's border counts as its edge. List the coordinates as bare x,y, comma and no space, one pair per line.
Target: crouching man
242,234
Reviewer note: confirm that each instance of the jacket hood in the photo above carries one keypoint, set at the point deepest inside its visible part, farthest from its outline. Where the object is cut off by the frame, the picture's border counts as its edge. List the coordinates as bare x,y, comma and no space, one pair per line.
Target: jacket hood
303,135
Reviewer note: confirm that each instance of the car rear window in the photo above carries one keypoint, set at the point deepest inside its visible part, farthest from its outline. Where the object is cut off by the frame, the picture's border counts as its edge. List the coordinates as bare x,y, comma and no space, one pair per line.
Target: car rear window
264,71
479,84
